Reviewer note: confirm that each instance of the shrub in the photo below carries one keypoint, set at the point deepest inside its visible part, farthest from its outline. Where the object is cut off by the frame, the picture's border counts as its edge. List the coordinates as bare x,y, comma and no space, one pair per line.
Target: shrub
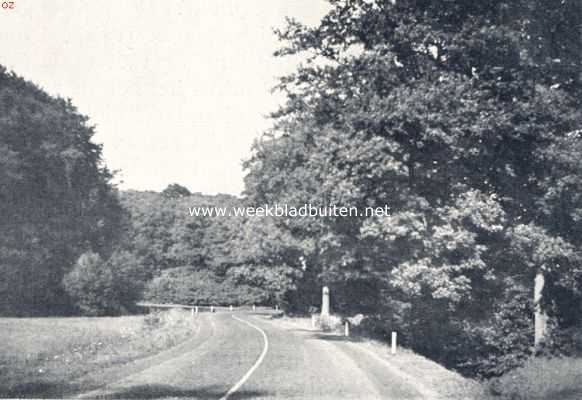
330,323
502,343
479,346
569,341
103,288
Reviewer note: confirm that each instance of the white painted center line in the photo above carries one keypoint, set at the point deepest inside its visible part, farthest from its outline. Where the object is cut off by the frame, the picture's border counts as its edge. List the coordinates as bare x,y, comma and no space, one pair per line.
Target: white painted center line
255,365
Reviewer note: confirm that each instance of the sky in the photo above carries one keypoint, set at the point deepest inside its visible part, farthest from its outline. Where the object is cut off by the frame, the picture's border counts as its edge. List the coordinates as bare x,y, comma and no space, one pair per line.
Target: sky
177,89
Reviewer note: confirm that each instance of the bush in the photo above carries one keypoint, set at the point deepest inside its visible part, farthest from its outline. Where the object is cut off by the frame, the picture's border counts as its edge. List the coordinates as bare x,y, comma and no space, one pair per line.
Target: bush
103,288
569,341
477,347
502,343
330,323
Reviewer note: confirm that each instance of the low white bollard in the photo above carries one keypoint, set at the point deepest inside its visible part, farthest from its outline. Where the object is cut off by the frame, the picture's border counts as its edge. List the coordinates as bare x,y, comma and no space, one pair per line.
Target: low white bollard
211,309
393,343
254,308
347,329
230,308
196,308
276,307
192,311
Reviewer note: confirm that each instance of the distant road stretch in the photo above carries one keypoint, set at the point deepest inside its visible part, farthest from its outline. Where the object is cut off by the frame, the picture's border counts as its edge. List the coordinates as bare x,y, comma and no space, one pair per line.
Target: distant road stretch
248,356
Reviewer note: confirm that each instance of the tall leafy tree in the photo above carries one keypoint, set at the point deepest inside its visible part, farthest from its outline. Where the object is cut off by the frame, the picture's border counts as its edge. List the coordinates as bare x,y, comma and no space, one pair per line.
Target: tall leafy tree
175,190
462,117
56,199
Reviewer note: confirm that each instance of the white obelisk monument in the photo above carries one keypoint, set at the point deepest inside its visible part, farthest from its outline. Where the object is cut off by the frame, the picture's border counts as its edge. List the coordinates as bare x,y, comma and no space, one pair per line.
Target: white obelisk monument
325,303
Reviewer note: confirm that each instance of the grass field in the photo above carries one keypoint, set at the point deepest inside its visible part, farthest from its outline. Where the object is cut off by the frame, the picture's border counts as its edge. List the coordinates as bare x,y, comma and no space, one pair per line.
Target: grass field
41,357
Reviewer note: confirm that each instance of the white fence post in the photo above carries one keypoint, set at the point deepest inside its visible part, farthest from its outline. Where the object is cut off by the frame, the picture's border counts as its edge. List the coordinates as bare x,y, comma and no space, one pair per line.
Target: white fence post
211,309
192,311
196,309
254,308
393,343
347,329
313,321
230,308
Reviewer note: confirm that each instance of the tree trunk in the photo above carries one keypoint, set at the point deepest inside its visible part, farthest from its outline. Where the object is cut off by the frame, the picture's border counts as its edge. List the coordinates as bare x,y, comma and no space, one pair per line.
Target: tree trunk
541,318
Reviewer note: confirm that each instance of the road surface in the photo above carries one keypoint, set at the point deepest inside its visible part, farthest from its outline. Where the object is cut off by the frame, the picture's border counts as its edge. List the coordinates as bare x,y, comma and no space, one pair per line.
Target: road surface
237,356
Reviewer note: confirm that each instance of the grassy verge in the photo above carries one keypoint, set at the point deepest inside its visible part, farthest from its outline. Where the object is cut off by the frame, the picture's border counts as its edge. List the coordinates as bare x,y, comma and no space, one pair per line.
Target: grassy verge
542,379
41,356
446,383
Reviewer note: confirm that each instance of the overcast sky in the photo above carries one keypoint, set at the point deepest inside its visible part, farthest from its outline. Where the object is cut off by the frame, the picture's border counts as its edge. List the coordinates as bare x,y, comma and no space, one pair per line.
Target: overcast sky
178,90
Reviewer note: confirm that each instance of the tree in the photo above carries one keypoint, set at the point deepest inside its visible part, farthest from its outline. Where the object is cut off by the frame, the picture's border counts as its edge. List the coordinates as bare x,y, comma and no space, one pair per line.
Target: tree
176,191
56,197
462,117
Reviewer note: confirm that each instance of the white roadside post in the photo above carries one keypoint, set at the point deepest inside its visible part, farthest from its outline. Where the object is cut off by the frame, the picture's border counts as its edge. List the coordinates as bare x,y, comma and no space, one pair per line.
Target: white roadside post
313,321
254,308
230,308
393,344
192,311
196,309
211,309
347,329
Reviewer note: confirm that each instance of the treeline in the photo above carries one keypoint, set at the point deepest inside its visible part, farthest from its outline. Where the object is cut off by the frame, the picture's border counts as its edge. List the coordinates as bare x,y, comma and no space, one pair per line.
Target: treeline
201,260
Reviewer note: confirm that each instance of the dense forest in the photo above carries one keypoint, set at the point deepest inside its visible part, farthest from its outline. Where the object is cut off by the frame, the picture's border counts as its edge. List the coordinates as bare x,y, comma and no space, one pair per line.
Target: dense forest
463,117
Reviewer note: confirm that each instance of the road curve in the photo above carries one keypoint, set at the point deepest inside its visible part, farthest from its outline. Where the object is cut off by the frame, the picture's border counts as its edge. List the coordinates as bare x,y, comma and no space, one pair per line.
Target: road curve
252,357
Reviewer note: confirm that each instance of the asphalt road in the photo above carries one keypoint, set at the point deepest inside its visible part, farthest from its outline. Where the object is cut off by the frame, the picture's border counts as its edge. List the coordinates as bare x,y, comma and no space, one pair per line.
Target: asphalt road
249,356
